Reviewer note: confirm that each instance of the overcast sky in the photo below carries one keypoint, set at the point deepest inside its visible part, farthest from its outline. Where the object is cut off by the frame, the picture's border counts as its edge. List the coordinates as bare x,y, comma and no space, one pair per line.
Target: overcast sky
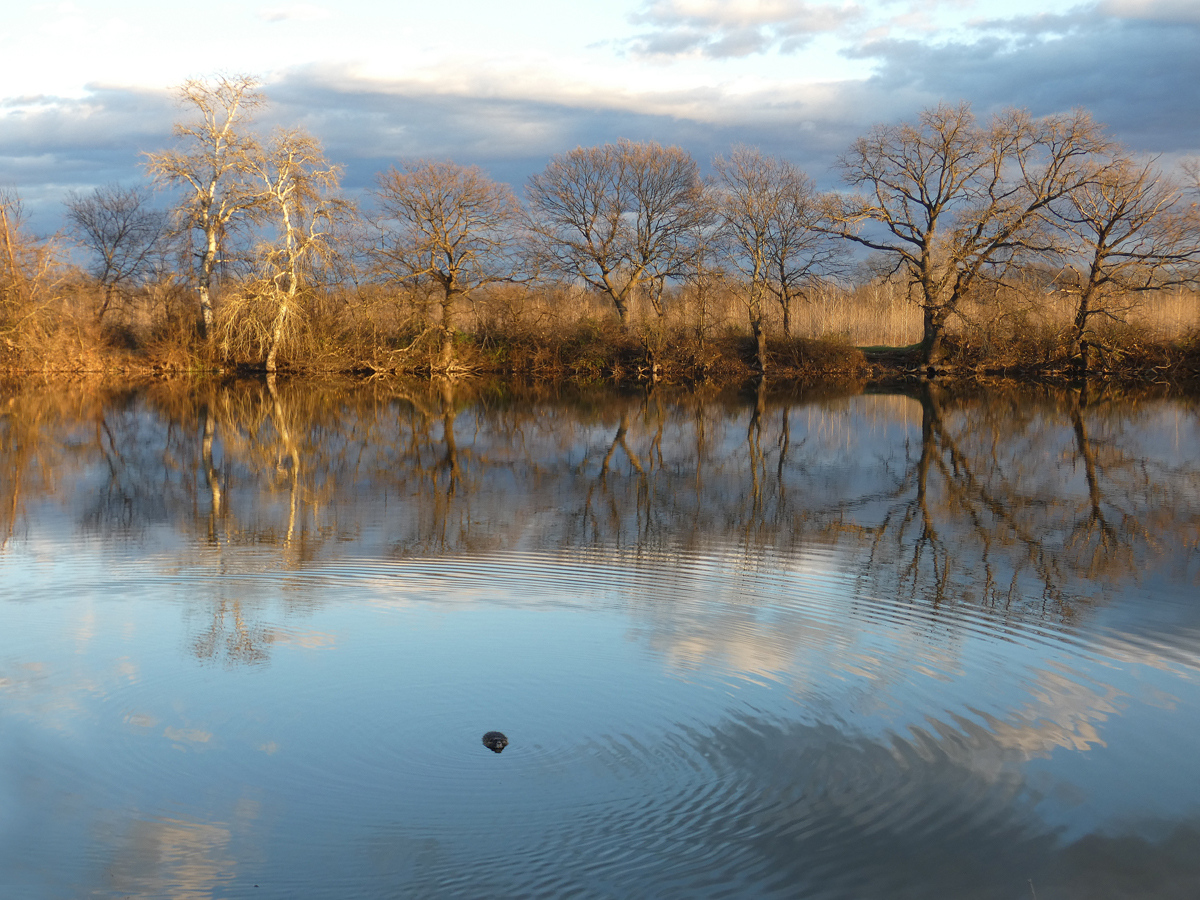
86,87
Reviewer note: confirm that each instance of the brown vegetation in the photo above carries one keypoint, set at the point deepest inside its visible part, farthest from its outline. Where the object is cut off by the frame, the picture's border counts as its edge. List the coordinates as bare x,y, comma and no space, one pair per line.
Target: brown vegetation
1022,246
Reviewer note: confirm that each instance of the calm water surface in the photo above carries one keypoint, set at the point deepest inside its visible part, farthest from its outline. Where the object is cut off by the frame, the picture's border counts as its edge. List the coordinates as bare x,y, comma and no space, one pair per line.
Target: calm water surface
875,646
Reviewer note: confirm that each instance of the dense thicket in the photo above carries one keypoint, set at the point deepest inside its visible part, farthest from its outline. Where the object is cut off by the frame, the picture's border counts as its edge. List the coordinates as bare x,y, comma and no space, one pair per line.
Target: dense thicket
1016,242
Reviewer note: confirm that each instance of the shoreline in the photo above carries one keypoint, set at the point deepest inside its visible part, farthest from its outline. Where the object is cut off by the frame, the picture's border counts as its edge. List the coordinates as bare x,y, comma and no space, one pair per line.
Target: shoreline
874,370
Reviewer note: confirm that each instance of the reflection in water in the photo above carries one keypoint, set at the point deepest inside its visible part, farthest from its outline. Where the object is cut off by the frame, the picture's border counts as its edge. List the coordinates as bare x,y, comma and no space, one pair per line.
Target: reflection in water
1046,490
850,646
170,858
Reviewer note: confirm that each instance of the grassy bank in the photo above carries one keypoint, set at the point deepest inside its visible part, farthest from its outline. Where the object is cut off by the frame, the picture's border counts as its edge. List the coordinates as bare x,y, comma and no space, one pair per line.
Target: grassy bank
867,332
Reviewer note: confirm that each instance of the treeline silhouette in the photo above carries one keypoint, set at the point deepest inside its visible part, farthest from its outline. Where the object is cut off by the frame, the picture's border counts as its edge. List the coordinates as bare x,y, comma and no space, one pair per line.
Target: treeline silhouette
1013,244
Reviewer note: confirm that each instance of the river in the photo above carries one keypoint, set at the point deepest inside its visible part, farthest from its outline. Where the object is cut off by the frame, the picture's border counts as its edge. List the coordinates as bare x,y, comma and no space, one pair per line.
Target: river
823,644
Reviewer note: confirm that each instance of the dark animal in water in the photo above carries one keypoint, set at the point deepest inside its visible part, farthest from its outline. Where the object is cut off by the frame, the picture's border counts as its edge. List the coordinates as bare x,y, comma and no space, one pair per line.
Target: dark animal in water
495,741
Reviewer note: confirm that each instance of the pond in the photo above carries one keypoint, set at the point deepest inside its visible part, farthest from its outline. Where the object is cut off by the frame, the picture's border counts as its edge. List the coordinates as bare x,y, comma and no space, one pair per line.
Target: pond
907,645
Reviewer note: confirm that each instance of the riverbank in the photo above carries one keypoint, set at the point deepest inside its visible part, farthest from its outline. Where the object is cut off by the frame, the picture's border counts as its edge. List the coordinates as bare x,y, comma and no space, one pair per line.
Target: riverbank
608,356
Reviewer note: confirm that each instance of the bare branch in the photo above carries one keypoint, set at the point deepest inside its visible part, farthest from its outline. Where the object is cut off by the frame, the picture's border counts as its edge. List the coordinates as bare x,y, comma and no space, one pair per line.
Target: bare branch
213,167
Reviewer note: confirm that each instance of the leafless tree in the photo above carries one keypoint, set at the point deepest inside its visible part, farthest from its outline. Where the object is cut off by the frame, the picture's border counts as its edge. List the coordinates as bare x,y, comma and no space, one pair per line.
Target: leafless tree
448,224
1191,168
121,231
748,206
12,264
29,276
214,170
617,217
946,199
1126,231
299,195
769,211
703,275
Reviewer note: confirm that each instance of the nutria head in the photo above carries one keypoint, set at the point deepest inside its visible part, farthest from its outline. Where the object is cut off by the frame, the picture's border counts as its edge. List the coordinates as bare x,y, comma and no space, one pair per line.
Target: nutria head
495,741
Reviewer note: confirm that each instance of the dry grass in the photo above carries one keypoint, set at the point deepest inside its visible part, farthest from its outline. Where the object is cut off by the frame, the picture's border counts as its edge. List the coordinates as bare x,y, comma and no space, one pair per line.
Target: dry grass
564,331
873,314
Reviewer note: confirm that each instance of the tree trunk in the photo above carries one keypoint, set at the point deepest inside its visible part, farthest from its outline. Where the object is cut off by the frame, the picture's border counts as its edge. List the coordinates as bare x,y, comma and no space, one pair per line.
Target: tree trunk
754,308
277,329
760,346
208,262
1077,346
446,358
108,292
934,331
622,311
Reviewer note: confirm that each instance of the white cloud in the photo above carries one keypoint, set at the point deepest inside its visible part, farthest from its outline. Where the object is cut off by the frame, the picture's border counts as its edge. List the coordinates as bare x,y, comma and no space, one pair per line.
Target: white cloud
792,14
735,29
303,12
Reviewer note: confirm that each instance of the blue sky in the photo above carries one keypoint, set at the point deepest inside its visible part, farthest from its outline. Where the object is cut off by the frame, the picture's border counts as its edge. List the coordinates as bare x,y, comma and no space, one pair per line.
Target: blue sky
85,87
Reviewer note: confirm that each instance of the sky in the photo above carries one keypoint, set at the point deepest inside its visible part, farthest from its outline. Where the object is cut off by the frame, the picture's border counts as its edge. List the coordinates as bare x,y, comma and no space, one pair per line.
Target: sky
87,87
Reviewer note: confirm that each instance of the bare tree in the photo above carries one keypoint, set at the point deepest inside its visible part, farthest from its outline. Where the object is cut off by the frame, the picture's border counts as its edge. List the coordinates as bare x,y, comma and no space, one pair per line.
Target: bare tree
617,217
946,198
769,213
1127,231
29,276
703,275
801,253
214,170
748,204
448,224
300,193
1191,168
122,233
14,276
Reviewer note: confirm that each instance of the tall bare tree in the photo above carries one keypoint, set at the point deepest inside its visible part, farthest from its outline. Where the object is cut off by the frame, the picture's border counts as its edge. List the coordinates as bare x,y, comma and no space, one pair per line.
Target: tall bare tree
213,168
121,231
300,197
703,276
769,213
748,204
29,276
618,216
448,224
1127,231
946,198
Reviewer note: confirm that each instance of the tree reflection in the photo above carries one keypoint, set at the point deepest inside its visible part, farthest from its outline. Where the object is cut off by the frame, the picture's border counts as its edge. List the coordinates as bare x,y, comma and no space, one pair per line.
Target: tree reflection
211,479
1027,503
230,638
957,512
990,508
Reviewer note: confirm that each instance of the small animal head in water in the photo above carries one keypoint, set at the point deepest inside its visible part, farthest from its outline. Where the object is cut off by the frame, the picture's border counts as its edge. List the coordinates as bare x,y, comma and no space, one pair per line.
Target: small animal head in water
495,741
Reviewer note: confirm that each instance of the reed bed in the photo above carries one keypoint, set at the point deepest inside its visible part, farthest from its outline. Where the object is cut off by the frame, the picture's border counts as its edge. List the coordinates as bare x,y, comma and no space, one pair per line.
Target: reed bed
565,331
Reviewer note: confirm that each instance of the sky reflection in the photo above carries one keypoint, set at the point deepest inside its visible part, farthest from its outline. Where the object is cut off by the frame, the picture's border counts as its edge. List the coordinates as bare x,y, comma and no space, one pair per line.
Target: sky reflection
829,665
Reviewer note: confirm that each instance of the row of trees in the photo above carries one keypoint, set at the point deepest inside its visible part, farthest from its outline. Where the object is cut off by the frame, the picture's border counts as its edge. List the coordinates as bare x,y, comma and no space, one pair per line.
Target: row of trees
948,205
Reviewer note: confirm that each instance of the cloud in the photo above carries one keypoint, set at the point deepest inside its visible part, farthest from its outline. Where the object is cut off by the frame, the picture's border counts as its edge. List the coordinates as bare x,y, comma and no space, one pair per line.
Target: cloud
370,124
187,735
1132,74
50,144
1177,11
1135,76
303,12
719,30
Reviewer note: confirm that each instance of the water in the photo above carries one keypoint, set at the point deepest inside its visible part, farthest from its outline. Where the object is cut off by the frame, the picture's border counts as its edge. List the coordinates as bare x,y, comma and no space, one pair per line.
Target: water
742,646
